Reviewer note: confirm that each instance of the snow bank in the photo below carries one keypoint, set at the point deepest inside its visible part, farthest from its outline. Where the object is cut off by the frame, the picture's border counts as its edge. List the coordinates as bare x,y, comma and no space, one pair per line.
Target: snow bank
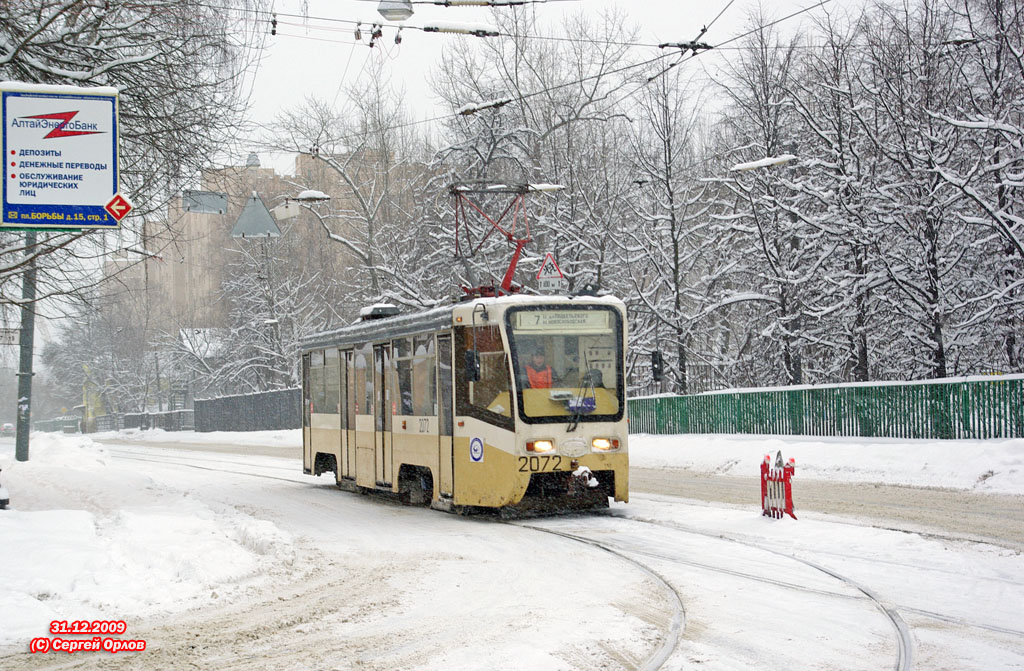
88,538
282,438
982,465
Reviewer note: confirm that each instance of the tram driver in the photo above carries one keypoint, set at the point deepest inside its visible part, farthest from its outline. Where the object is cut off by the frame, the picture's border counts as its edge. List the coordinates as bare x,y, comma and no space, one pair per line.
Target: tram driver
538,373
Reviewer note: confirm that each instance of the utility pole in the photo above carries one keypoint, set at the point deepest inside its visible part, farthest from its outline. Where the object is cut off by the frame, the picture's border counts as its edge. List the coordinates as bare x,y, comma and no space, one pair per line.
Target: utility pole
28,323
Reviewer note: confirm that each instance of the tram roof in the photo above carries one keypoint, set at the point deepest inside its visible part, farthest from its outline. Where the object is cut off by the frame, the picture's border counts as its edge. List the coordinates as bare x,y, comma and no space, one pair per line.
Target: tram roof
434,319
376,329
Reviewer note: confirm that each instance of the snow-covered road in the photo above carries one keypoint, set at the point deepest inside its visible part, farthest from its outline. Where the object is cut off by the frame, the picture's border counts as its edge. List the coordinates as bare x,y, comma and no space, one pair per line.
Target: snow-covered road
226,560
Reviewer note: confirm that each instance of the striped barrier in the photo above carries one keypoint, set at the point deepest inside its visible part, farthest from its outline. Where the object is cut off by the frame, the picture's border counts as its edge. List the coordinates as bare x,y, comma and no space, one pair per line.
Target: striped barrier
777,487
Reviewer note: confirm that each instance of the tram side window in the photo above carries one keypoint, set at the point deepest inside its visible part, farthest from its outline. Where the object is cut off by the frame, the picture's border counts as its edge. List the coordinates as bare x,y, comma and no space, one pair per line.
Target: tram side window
403,375
305,390
332,383
414,376
444,376
350,394
362,373
424,380
490,398
316,381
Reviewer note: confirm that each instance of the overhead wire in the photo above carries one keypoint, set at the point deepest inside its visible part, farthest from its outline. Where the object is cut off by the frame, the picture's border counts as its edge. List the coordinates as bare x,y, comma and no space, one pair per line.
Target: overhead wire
479,3
341,80
386,24
545,38
582,80
694,54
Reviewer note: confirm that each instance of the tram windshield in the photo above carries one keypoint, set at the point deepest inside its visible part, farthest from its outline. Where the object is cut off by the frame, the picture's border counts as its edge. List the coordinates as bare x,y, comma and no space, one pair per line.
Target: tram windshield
567,362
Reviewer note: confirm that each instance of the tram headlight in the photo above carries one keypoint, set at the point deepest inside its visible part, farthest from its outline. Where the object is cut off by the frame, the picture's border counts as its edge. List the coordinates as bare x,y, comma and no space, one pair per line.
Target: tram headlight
605,444
540,446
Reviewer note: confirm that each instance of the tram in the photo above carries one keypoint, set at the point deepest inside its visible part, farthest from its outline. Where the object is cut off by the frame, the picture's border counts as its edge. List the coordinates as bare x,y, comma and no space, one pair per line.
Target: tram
507,402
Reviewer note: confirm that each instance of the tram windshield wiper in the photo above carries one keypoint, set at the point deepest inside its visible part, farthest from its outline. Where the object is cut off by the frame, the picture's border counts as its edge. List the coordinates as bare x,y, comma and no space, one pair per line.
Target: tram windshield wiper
577,404
574,421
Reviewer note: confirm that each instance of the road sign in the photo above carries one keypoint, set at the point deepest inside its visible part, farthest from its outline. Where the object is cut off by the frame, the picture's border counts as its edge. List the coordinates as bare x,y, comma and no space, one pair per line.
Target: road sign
60,156
9,336
118,207
549,278
550,285
549,270
255,221
204,202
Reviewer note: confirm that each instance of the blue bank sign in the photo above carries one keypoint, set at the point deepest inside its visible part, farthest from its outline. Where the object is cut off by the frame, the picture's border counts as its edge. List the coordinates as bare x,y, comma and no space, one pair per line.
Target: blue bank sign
60,156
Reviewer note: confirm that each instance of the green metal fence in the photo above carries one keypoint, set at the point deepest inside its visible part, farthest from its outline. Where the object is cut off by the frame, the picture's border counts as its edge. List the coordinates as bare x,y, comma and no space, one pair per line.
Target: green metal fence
969,409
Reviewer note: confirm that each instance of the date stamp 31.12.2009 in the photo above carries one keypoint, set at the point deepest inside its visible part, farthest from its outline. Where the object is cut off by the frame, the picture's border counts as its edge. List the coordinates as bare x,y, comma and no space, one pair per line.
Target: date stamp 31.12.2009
104,638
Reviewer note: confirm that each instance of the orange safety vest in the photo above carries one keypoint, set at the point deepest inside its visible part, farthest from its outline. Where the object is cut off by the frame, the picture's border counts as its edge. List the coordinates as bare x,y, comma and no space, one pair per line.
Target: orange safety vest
538,379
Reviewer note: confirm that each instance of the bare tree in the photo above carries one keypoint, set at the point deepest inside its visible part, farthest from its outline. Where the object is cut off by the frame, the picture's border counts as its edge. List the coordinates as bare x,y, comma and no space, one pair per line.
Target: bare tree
990,68
546,115
178,65
671,253
777,247
373,164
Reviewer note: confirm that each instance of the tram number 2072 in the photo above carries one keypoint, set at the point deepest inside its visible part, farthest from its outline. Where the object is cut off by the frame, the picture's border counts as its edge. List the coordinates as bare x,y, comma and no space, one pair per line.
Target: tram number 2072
540,464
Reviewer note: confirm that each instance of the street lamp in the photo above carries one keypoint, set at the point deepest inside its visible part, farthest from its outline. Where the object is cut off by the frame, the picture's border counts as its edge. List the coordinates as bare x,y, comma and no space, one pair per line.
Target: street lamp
291,207
395,10
311,196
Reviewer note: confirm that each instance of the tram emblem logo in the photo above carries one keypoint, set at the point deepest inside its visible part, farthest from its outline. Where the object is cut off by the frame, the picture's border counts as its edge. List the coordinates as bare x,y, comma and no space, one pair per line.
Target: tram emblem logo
476,450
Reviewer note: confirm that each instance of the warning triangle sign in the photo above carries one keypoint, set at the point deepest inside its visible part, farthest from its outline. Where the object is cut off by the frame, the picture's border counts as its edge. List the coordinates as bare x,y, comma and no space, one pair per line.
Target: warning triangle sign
549,269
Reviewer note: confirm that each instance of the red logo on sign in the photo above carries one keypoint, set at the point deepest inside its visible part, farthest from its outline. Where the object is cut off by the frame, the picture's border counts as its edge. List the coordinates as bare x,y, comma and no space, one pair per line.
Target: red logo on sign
64,118
118,207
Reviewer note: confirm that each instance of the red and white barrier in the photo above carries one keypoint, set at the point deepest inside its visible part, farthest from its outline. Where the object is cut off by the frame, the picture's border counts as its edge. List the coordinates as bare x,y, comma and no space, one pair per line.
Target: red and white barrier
777,487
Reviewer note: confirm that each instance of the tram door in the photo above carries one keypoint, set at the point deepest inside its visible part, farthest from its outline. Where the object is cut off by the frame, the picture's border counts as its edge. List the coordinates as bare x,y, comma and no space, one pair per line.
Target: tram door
446,486
383,409
362,377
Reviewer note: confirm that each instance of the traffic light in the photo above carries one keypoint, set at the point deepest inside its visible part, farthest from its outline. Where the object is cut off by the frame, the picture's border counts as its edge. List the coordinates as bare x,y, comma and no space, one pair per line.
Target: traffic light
657,366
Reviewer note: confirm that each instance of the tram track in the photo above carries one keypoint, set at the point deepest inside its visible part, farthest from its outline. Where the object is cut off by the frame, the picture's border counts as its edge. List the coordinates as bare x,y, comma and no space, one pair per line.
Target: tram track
909,609
675,629
904,640
129,453
653,662
177,461
905,650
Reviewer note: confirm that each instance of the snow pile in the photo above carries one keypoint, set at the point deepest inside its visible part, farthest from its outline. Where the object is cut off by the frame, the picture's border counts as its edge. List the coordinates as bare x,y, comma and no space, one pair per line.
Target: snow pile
983,465
473,108
88,537
312,194
763,163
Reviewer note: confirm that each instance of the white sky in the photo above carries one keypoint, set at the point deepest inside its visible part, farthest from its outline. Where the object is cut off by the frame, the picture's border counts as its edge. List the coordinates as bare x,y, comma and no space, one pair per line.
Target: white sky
318,57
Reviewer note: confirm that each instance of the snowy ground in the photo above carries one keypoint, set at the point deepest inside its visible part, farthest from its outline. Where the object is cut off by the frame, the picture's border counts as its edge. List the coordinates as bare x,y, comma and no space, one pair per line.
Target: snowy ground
981,465
995,466
222,559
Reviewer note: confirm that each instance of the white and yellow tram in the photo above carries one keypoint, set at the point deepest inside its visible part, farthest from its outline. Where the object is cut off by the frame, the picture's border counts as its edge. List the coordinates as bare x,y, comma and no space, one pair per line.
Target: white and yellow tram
515,401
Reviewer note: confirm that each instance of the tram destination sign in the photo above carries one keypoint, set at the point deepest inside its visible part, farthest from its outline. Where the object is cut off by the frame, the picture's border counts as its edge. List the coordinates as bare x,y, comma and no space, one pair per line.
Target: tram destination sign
562,320
60,157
